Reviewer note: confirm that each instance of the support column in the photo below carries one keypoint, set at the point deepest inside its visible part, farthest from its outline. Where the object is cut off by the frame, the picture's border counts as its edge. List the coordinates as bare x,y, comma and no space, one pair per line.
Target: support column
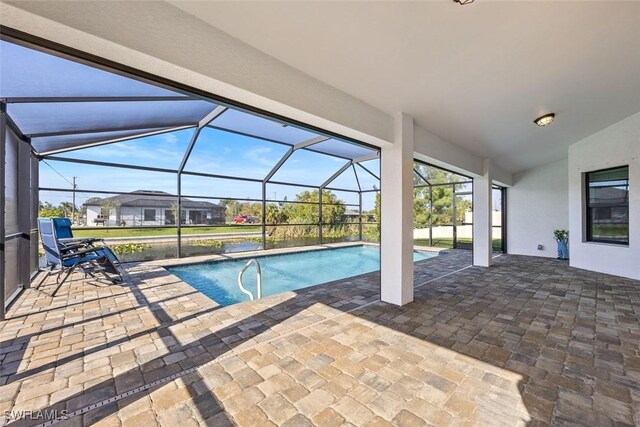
24,218
396,251
454,218
482,226
264,215
179,217
430,215
35,202
3,141
360,216
320,216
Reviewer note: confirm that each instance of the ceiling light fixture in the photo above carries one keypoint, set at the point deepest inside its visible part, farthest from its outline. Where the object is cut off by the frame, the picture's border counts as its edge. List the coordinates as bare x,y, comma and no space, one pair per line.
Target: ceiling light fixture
545,120
463,2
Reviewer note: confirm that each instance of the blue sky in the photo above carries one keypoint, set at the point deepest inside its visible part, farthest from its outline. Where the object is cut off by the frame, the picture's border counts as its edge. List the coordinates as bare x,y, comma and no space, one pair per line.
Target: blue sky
216,152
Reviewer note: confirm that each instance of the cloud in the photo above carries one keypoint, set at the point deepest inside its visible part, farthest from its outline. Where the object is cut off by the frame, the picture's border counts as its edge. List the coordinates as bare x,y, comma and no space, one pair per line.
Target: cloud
170,138
260,156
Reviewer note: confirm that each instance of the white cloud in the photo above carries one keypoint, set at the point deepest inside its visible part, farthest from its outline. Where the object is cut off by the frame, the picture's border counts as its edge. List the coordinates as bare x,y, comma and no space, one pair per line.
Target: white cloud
260,156
170,138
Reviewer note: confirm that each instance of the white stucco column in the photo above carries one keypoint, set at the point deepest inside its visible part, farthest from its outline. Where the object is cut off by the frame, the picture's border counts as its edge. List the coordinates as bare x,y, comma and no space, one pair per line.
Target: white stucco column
396,250
482,231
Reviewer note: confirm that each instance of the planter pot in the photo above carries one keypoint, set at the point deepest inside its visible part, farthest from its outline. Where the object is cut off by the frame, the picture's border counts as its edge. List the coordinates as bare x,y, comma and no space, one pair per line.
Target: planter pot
563,249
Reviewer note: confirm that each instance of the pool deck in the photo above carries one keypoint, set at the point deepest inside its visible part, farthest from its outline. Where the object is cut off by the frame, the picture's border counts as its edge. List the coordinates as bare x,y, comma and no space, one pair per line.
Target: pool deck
528,341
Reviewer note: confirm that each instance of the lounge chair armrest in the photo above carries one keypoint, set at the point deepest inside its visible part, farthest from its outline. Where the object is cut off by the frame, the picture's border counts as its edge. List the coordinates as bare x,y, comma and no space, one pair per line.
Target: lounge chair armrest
80,241
75,254
71,245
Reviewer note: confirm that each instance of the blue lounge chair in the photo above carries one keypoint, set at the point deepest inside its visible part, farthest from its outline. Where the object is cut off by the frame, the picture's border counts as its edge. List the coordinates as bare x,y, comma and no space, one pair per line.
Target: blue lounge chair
64,235
64,258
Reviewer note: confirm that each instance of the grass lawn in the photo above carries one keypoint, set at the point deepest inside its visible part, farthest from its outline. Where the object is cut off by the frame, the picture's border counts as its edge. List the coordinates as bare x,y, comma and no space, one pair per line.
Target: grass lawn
448,243
152,231
611,230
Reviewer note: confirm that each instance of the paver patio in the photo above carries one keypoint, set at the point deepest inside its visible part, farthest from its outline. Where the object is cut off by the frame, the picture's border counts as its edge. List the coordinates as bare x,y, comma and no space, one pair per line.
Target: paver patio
528,341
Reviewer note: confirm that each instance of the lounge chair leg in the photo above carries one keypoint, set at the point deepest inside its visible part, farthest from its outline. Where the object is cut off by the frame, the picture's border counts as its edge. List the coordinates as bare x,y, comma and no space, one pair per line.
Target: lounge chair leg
113,266
61,282
47,273
106,276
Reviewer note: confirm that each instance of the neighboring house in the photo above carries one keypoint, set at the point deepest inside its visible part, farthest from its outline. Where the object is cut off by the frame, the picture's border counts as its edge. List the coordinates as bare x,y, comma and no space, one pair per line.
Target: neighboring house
609,215
153,208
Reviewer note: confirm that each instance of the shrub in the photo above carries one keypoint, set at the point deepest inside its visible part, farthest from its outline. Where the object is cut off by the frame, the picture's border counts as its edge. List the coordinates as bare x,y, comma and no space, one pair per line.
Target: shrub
128,248
561,235
208,243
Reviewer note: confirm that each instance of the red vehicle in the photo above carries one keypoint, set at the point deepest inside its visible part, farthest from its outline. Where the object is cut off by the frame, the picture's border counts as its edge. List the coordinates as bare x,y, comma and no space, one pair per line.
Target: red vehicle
245,219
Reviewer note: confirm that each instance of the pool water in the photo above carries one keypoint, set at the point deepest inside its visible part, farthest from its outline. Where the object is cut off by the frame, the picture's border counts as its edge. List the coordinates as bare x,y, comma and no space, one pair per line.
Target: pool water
280,273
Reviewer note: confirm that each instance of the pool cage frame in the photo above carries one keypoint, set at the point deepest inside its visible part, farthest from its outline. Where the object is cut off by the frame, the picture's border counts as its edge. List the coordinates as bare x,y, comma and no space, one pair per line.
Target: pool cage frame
27,165
467,180
453,185
30,166
179,196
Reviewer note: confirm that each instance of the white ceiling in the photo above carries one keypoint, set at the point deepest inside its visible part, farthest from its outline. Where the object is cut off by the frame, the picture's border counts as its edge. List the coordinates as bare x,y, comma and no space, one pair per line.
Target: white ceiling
476,75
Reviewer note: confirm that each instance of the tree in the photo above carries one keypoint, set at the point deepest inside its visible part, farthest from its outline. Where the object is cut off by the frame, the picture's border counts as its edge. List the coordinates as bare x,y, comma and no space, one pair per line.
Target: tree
174,212
89,201
442,198
251,209
373,233
307,212
47,210
303,216
274,215
68,209
231,208
234,208
108,206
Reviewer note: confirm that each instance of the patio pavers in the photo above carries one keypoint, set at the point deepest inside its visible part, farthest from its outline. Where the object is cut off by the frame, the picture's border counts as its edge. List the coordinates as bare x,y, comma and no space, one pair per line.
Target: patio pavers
529,340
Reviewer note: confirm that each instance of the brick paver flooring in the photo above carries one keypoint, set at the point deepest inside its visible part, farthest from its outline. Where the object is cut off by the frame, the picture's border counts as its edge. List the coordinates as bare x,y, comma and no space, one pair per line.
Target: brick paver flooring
529,340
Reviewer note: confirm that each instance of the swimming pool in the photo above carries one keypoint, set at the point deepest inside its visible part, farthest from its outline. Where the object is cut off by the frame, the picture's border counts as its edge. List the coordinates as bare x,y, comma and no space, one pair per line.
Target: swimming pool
280,273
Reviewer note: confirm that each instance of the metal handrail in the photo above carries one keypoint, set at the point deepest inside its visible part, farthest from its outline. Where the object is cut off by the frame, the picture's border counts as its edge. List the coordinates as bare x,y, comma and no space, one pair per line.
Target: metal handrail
258,275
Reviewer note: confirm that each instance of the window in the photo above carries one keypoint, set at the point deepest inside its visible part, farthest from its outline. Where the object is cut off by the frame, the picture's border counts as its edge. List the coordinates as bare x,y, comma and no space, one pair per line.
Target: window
169,217
608,206
149,214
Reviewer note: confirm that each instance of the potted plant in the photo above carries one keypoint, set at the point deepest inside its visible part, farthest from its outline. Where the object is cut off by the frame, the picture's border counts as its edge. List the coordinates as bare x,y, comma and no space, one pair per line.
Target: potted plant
562,237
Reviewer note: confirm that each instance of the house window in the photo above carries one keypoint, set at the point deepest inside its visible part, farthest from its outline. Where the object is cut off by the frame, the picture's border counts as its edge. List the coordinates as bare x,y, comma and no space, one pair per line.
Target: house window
149,214
608,206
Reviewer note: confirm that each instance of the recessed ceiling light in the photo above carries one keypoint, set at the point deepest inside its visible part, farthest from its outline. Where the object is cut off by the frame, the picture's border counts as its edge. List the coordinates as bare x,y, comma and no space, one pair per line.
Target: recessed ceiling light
545,120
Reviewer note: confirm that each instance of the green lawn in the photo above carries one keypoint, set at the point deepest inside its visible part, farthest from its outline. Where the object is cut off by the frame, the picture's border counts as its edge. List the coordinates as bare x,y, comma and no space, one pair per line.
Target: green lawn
448,243
613,230
152,231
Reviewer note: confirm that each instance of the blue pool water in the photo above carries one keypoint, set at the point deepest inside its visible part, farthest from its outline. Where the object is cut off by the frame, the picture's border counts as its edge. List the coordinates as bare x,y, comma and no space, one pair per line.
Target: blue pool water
281,273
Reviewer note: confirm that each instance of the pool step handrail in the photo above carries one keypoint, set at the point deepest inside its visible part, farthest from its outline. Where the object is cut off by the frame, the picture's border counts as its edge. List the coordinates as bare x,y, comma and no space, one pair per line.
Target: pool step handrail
258,275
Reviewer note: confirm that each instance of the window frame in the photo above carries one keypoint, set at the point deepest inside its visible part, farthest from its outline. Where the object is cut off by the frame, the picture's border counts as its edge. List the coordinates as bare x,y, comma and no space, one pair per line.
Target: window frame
155,215
589,238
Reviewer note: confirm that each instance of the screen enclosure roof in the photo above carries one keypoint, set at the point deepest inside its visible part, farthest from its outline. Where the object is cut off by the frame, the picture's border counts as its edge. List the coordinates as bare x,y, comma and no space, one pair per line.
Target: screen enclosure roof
62,105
